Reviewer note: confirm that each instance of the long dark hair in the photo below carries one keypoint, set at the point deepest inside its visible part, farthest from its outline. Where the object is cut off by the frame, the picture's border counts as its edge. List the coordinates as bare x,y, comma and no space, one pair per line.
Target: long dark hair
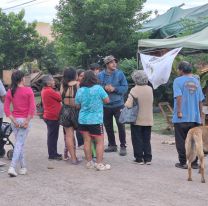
16,78
90,79
69,74
79,71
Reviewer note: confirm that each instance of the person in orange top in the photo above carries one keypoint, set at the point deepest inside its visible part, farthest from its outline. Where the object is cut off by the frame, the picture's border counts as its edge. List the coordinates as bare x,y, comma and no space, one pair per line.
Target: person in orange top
51,101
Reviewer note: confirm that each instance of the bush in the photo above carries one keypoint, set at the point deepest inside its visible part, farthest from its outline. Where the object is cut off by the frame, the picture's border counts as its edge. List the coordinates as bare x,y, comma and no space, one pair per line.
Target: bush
128,66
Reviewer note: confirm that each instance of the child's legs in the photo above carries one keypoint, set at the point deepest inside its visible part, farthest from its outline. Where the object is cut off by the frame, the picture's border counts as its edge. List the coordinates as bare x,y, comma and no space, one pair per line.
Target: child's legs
87,146
20,136
99,148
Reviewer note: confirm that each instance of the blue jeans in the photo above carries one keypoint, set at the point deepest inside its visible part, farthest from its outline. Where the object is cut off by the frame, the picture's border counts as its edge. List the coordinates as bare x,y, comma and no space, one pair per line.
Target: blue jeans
20,136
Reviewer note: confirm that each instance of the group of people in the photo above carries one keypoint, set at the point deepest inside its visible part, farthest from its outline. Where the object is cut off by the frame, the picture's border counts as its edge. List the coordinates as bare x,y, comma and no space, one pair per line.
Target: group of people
89,99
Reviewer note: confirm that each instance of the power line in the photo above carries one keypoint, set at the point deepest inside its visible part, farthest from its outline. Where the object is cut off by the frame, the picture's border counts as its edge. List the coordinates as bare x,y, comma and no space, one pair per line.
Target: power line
12,1
34,4
12,7
37,3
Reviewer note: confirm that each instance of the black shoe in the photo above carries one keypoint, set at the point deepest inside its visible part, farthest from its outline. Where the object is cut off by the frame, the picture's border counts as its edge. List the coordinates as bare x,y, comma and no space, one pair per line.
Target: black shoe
123,151
139,161
182,166
111,149
57,157
195,166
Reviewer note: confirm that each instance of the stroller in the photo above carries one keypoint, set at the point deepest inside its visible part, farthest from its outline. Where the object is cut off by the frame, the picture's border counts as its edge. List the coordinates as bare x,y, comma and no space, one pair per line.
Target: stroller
5,132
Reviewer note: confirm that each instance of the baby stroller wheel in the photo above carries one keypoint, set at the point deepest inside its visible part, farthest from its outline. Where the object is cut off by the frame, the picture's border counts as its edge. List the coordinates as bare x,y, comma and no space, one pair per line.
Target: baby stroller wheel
2,152
10,154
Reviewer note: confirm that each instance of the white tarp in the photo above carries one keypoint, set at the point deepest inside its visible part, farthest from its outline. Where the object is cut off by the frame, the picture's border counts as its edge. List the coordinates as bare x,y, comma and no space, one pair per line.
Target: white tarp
158,69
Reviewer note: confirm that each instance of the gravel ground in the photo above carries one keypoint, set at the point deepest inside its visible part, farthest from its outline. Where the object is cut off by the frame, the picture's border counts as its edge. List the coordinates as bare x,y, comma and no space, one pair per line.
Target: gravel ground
125,184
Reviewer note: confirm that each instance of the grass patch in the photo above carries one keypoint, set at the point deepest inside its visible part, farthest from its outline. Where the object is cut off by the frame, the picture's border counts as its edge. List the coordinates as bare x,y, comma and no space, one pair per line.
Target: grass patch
160,125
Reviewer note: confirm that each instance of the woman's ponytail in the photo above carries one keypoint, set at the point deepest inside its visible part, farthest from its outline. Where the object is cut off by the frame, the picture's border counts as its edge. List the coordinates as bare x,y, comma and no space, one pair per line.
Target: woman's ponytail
16,78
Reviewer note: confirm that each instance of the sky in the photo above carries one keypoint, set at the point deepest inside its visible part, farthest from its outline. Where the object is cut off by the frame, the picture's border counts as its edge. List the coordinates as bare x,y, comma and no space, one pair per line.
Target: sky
44,10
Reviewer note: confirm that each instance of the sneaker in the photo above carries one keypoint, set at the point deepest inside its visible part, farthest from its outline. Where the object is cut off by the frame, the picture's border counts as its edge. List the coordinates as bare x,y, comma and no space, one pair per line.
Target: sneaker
122,151
12,172
182,166
102,167
57,157
90,165
148,163
23,171
111,149
138,161
66,156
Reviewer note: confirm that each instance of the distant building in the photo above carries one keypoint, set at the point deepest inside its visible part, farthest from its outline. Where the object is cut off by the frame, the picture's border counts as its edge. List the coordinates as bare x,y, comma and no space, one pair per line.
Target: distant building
44,29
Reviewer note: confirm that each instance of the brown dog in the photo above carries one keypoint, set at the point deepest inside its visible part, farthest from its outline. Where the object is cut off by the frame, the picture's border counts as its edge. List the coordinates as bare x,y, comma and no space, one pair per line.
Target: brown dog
196,144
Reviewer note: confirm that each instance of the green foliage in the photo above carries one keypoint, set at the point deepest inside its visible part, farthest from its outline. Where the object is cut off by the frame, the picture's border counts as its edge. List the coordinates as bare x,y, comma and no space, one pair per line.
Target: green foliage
19,41
87,28
128,66
49,60
204,80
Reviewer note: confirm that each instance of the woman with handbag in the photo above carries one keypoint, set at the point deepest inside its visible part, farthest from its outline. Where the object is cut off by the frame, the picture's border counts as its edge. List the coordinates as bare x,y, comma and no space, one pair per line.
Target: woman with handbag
141,129
69,112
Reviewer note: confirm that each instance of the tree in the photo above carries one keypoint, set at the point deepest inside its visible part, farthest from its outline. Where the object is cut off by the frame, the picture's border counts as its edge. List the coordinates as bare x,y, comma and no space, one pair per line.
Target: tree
87,28
19,41
49,60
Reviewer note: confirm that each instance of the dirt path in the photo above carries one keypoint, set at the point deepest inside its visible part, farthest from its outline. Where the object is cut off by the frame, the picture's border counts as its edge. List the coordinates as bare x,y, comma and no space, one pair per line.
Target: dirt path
126,184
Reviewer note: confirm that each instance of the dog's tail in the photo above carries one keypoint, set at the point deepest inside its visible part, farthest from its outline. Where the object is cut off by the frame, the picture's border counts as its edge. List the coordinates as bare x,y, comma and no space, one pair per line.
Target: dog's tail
190,145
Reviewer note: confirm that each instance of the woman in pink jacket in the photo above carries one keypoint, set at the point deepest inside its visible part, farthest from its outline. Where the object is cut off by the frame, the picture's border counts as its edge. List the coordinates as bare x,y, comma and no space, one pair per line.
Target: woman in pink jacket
23,104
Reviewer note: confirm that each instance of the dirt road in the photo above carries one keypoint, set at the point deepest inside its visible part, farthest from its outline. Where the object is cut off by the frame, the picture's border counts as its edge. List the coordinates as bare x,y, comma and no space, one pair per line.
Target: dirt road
126,184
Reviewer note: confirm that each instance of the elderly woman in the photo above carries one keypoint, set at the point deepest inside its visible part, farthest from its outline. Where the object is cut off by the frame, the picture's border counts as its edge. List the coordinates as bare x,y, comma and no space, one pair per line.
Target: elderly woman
141,130
51,101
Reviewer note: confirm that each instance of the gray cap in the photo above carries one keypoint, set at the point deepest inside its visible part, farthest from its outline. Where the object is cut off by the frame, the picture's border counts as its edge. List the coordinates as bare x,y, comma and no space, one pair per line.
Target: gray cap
108,59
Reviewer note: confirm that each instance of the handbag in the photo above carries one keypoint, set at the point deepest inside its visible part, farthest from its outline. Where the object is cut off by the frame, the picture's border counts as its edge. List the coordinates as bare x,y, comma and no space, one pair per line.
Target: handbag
129,115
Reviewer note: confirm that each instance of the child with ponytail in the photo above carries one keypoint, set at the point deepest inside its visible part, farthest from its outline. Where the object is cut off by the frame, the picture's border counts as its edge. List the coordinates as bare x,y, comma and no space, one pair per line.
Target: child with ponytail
23,104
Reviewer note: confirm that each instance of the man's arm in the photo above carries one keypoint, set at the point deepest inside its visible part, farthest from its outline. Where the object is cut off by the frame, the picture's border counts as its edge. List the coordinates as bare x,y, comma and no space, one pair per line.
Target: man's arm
123,87
56,95
179,103
177,93
200,108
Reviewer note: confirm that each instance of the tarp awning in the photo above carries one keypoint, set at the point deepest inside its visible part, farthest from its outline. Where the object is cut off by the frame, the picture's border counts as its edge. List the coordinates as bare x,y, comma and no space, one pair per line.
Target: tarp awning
172,22
197,41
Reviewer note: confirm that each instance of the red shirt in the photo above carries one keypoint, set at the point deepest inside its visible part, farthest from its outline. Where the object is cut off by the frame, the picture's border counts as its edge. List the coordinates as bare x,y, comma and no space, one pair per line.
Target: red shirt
51,101
23,103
